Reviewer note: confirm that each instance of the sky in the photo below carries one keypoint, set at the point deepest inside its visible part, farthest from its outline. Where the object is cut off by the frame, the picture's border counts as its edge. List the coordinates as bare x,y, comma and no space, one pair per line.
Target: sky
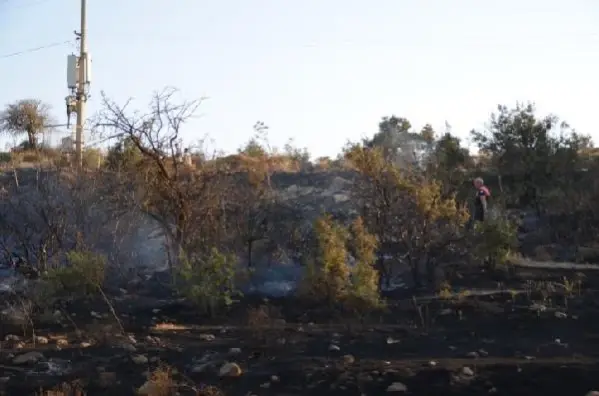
319,71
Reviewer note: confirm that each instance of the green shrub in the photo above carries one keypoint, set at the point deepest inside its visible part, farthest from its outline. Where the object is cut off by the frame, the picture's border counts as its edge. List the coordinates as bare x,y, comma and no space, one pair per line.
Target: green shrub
83,275
328,275
5,157
208,282
365,277
495,240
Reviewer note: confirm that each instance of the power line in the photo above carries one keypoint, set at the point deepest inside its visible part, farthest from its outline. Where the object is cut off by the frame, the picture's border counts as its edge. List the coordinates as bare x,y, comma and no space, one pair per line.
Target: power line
30,50
25,5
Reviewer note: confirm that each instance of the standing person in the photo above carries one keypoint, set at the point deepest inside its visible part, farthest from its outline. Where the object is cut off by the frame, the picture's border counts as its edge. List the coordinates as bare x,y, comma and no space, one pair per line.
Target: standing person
481,203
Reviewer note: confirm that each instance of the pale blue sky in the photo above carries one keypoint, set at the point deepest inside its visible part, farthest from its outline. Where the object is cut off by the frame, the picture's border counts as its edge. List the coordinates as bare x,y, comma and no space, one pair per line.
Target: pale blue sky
319,71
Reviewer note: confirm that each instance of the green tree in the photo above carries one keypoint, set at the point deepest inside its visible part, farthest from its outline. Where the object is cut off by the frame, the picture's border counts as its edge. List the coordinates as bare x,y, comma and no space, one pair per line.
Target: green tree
449,163
28,117
532,154
428,133
407,213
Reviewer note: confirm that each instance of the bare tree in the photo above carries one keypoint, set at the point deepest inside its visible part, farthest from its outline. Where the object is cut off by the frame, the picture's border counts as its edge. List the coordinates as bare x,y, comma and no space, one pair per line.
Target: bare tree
184,200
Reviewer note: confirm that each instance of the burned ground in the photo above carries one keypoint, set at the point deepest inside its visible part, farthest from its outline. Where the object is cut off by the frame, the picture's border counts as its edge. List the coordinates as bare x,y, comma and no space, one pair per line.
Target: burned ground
517,339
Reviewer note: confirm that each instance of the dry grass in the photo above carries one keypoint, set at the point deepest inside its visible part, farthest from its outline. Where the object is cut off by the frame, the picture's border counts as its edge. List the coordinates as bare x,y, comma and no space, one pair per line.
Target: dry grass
210,391
528,263
169,327
263,316
64,389
262,319
162,382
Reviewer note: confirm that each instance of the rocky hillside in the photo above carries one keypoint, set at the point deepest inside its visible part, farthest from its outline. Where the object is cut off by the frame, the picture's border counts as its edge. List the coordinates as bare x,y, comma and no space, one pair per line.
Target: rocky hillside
316,192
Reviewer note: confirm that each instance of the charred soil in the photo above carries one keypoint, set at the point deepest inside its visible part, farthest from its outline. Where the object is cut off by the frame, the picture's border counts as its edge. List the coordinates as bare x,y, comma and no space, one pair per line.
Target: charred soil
523,338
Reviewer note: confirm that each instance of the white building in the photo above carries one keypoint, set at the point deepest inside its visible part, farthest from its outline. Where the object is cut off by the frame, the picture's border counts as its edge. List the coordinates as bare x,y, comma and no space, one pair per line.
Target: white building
67,143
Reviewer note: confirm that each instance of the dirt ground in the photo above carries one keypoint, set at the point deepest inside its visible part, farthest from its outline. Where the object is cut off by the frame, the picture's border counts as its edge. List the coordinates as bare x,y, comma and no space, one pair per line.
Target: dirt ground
524,341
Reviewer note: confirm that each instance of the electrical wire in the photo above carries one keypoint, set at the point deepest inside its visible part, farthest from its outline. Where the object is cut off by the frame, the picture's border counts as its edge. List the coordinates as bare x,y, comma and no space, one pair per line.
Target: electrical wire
30,50
23,5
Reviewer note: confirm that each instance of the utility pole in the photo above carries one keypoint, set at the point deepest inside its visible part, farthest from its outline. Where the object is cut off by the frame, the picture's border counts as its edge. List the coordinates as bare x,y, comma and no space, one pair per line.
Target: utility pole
81,95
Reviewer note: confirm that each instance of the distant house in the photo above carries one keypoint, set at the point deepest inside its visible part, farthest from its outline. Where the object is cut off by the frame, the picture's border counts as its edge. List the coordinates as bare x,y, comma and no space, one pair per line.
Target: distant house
66,144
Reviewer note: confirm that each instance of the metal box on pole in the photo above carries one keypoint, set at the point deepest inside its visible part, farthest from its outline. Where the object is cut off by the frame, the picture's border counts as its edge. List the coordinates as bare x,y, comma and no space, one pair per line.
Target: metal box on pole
72,72
88,69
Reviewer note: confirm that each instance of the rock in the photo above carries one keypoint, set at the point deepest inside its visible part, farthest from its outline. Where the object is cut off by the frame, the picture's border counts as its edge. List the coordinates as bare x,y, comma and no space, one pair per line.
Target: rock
348,359
85,344
40,340
132,339
28,358
139,359
561,315
334,348
472,355
127,347
592,393
467,371
391,341
4,379
207,337
153,340
200,368
230,370
397,387
61,343
538,307
13,341
432,363
234,351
